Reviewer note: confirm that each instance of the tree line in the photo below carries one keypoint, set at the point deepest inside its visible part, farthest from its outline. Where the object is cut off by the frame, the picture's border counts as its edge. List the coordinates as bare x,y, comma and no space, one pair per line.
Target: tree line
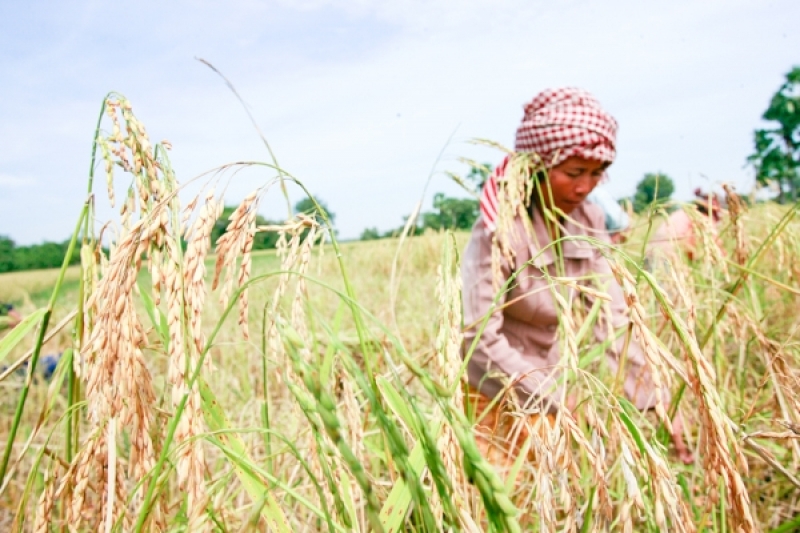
51,254
34,256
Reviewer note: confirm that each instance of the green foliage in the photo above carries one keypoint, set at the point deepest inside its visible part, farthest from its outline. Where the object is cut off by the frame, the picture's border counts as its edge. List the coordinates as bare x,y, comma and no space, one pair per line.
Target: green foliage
6,254
370,234
654,189
450,213
35,256
776,149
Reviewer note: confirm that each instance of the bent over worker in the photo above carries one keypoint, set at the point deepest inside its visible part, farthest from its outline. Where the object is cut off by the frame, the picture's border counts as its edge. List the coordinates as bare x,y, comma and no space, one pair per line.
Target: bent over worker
537,197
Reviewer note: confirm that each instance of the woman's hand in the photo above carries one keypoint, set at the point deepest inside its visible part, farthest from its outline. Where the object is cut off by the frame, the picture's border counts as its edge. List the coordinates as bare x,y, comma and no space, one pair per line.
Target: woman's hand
684,454
572,403
619,237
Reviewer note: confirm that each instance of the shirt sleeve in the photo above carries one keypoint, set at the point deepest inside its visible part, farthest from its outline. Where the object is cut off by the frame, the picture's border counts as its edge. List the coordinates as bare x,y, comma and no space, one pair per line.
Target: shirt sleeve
493,354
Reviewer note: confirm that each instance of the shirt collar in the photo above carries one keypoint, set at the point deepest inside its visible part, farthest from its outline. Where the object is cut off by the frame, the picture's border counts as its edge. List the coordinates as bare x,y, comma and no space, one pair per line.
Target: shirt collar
541,249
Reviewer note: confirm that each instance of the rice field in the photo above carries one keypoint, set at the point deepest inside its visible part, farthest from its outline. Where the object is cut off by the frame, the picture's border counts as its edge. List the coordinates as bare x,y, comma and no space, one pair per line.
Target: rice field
320,387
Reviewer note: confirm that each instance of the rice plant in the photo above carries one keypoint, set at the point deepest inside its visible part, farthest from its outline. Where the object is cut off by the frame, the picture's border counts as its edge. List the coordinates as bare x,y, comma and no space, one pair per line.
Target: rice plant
206,387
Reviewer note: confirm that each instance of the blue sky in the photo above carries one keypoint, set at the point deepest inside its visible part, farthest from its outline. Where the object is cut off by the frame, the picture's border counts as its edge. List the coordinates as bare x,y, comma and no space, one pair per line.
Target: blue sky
359,97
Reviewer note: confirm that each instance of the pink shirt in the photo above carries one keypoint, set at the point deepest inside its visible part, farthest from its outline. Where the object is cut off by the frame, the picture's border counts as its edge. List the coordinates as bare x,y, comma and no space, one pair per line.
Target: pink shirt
520,340
676,234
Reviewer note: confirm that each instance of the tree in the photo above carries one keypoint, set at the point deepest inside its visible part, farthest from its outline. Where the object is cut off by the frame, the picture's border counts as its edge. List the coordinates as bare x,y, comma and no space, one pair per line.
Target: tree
654,189
307,207
370,234
451,213
33,256
776,149
6,254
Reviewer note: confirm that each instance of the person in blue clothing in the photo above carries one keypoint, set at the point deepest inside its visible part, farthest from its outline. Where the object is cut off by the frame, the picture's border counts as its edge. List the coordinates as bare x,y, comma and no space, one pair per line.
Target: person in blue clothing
9,317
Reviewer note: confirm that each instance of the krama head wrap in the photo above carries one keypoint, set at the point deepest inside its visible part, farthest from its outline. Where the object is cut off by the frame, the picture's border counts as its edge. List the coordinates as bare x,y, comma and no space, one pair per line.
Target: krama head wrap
558,124
708,202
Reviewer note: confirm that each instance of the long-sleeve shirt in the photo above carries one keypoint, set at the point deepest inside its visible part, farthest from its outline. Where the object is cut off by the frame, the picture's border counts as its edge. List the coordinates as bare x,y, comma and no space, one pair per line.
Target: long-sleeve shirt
519,339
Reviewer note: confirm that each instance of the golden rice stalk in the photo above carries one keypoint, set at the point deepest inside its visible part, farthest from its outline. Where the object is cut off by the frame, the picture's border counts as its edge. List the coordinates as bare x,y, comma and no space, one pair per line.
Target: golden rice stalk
315,443
555,460
44,508
85,468
194,269
736,209
785,379
308,226
671,512
596,454
570,472
709,240
118,387
115,368
291,251
185,300
719,446
666,493
237,241
514,192
448,361
683,285
659,360
633,495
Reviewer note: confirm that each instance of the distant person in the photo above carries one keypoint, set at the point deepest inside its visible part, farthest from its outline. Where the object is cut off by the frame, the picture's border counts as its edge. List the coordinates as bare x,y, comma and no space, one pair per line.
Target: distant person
617,219
675,239
47,366
516,348
9,317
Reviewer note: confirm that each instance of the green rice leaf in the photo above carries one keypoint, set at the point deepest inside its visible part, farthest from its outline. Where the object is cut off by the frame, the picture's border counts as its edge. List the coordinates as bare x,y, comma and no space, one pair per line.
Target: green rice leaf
395,508
234,448
632,429
18,333
397,404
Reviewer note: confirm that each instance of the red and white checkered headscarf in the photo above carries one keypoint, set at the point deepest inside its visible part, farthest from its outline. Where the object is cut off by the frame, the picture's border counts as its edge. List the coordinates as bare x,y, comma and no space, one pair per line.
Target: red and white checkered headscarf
558,124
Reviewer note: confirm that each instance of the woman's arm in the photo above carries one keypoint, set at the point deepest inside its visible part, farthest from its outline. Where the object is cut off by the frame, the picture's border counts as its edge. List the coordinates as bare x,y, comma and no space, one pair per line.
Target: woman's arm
493,354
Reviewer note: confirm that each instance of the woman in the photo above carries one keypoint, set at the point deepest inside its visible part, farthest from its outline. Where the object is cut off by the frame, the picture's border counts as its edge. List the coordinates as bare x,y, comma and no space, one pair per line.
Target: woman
563,147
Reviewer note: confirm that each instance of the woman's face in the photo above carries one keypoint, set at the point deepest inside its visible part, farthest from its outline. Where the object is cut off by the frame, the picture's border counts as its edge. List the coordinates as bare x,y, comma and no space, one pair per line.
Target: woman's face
571,182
